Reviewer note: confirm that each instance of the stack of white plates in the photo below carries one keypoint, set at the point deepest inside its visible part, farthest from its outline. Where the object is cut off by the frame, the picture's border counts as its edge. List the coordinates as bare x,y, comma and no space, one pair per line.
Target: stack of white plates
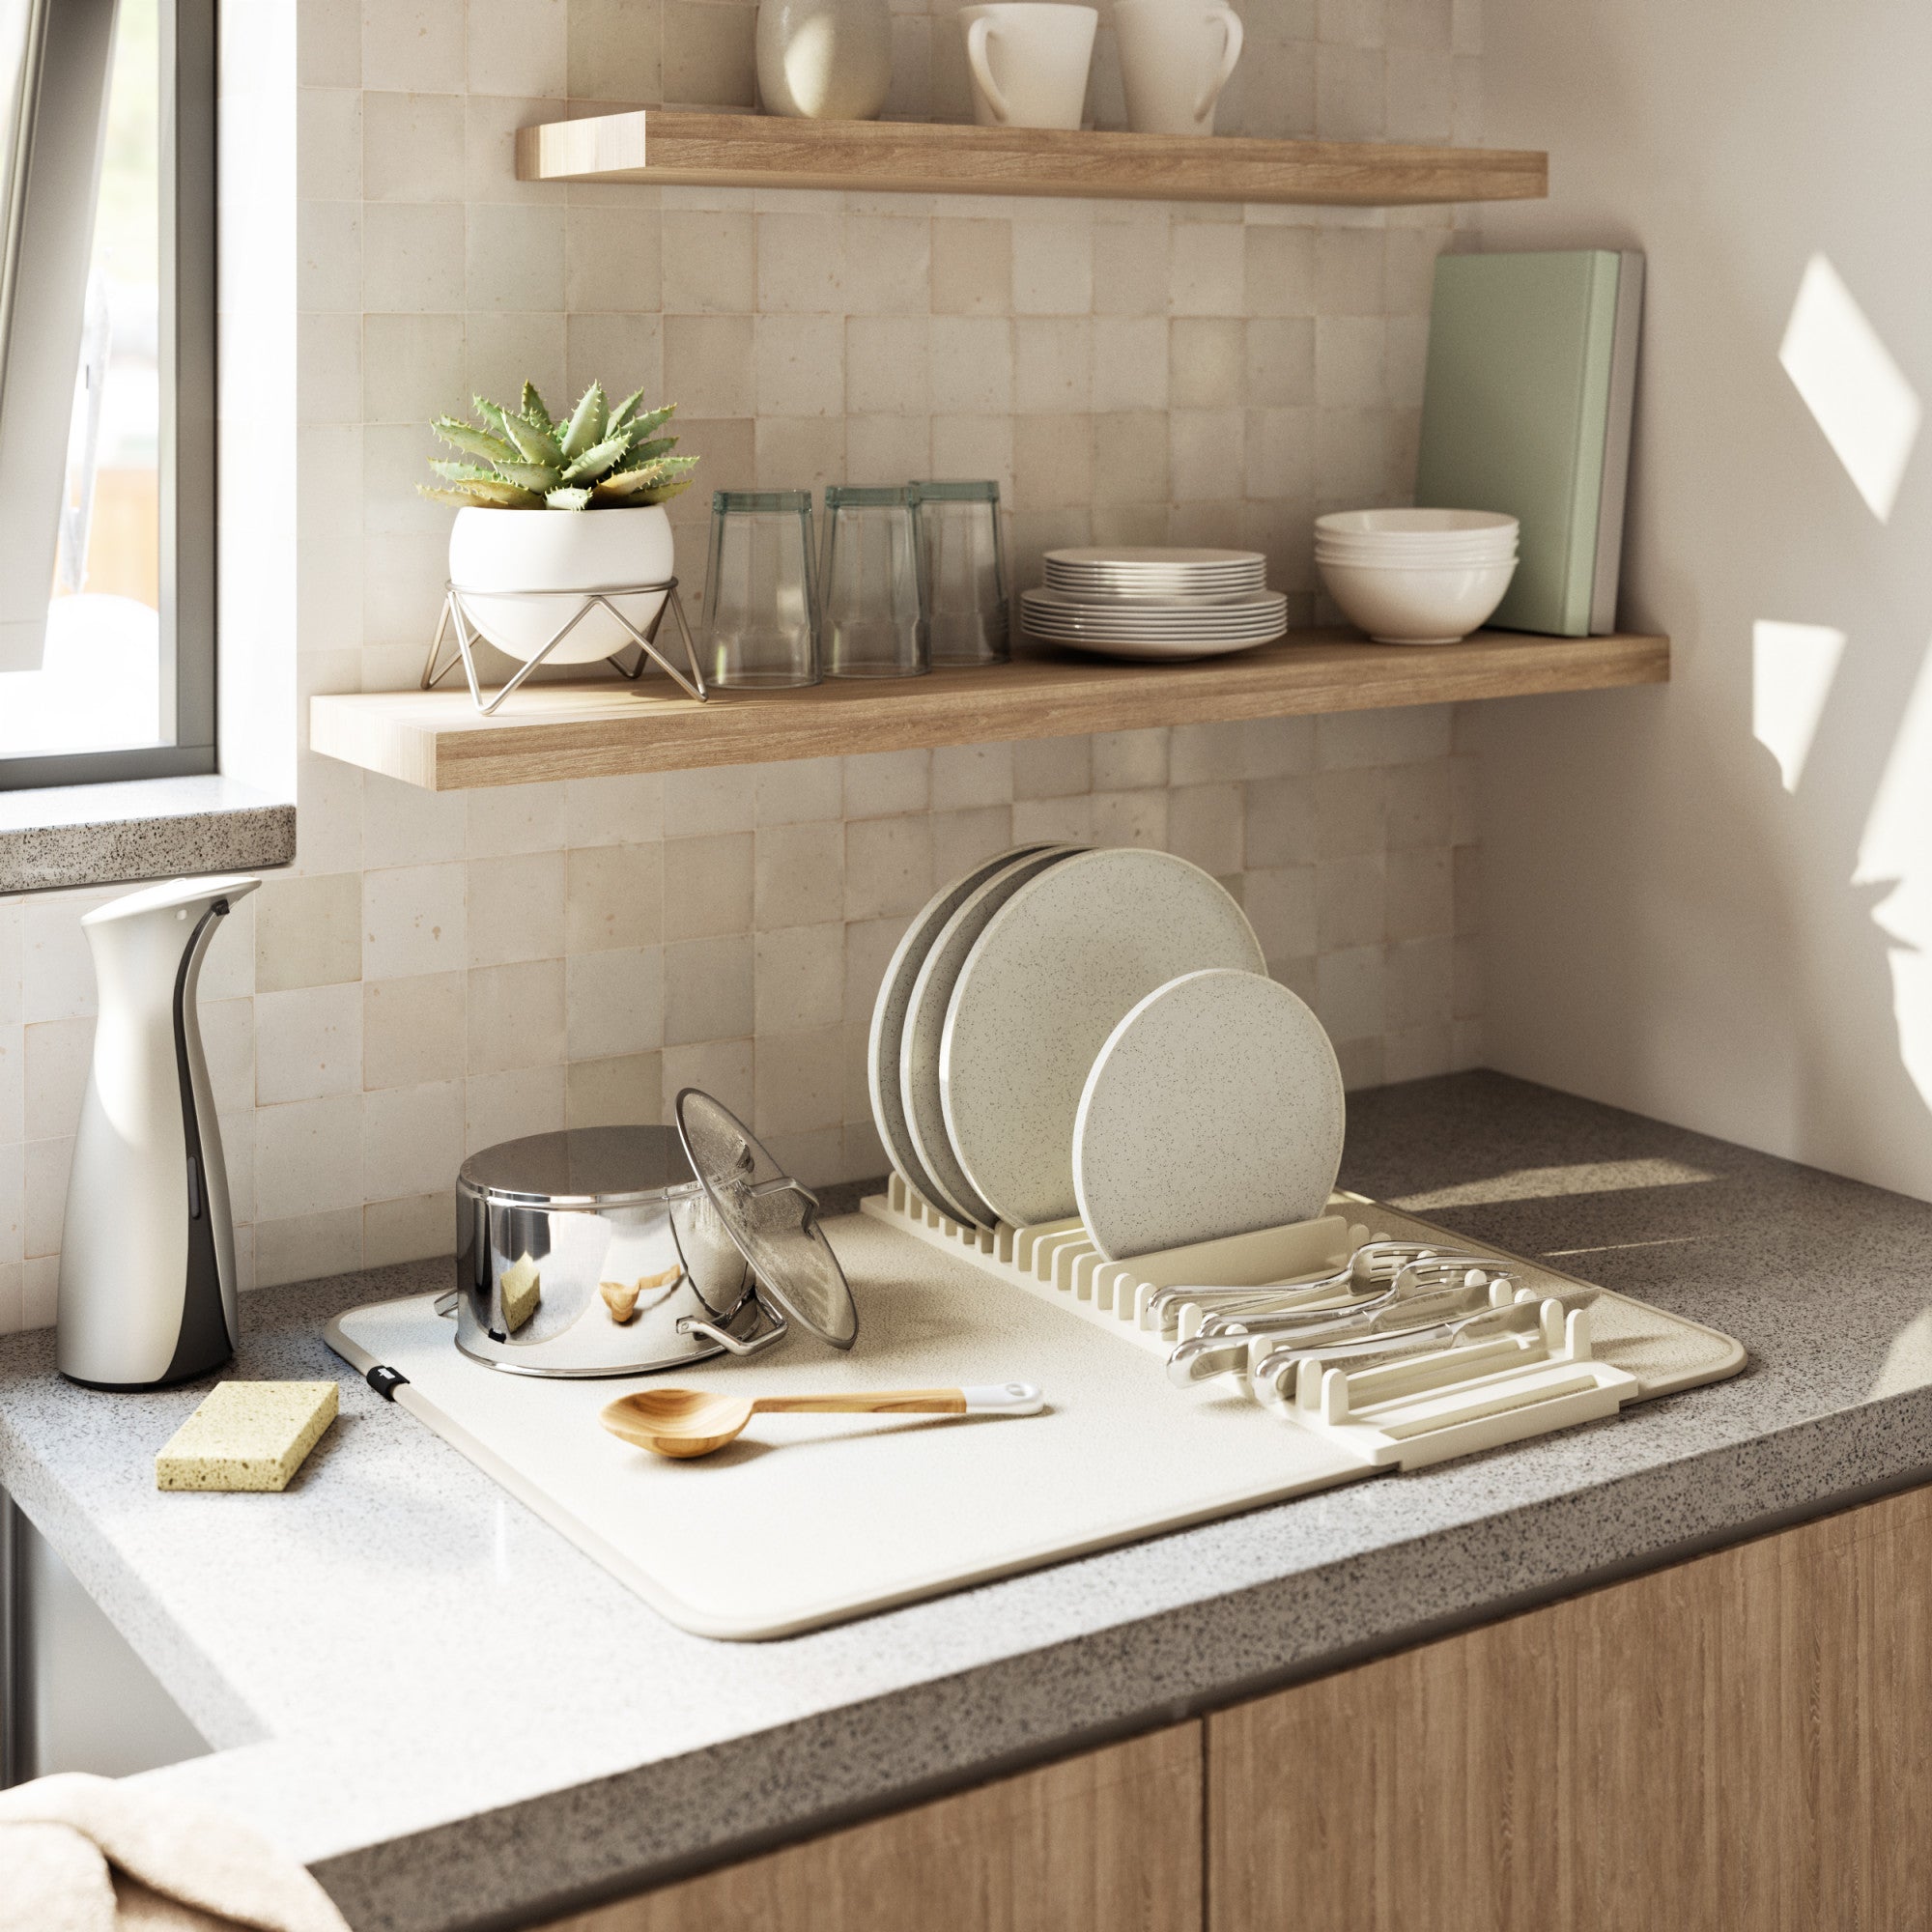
1155,573
1155,603
1152,627
1416,576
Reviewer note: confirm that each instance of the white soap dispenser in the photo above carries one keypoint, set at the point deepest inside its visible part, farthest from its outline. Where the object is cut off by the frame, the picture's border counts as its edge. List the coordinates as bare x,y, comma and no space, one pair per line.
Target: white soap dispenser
147,1275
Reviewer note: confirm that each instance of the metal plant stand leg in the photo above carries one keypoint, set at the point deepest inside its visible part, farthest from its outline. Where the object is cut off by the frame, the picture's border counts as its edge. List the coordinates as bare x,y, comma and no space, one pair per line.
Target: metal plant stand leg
456,612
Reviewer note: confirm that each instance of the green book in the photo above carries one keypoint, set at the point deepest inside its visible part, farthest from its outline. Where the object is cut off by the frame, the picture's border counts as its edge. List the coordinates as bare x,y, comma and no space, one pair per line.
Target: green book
1527,411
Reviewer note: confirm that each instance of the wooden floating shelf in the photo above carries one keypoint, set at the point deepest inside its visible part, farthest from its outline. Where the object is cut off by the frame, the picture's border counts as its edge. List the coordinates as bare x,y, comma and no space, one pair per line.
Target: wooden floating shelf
436,738
686,149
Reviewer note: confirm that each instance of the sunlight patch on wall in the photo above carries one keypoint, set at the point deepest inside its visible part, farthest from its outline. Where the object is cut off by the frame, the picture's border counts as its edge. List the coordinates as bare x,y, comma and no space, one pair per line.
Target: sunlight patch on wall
1855,392
1896,849
1792,668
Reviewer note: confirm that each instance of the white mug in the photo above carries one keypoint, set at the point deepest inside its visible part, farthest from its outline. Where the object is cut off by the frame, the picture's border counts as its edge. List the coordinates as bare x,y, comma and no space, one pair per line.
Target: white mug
1029,63
1175,57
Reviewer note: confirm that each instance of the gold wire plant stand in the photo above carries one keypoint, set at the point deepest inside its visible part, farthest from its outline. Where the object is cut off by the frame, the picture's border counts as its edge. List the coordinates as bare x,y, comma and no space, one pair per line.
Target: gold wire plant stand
456,612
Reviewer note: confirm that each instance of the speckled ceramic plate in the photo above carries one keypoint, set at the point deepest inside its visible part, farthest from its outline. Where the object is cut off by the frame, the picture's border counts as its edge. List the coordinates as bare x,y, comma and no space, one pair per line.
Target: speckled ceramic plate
924,1026
1214,1108
1056,970
888,1017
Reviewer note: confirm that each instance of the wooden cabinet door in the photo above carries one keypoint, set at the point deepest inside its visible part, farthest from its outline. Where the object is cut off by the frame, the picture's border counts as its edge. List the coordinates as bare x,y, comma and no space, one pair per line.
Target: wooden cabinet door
1106,1842
1743,1741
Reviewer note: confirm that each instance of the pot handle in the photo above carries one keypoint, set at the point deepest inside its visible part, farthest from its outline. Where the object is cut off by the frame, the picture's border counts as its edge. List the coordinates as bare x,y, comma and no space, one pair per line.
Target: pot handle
757,1346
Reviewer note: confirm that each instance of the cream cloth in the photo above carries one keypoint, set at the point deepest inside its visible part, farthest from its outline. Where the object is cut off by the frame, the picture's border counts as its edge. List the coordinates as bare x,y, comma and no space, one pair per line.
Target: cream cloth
81,1853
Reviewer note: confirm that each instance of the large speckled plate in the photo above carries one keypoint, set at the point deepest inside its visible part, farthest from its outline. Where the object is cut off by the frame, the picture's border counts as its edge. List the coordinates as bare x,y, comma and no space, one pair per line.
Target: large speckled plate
924,1025
1214,1108
1057,968
895,1002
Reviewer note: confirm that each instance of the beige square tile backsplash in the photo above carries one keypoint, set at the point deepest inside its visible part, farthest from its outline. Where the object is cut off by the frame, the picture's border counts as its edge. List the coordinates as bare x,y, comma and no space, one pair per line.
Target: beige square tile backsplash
441,972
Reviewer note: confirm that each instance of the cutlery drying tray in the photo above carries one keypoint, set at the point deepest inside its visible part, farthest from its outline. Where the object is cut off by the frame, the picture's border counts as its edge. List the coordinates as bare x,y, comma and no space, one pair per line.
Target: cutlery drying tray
1592,1351
810,1520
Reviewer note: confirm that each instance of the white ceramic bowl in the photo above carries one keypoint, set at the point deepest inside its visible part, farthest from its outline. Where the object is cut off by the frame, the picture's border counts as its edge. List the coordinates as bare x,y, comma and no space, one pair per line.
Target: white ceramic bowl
1479,543
1416,559
1417,607
1412,523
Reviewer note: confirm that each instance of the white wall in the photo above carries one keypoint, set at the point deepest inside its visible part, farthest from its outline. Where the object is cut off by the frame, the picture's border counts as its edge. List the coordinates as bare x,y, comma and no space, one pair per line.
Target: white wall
1667,926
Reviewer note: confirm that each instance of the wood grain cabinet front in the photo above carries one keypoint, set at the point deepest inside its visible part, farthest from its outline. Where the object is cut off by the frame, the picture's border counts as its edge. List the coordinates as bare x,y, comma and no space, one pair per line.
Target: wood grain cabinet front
1109,1841
1742,1742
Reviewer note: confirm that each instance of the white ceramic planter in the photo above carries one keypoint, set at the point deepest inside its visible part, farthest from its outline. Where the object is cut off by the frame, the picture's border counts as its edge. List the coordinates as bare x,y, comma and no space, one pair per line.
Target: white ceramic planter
495,550
825,60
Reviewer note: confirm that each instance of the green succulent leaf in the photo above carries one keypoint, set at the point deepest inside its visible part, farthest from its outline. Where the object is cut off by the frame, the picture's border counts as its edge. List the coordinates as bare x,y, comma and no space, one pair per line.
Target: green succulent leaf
596,460
533,410
640,482
642,453
491,414
460,435
483,496
537,445
568,500
586,422
537,476
464,472
624,486
641,426
621,415
666,491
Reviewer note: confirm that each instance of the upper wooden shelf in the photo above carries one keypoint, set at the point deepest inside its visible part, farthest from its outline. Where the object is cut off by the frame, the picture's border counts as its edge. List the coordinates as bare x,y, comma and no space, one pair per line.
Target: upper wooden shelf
435,739
946,157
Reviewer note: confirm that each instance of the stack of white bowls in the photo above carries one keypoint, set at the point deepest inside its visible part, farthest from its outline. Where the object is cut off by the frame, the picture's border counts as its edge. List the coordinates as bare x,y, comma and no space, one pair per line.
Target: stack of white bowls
1416,576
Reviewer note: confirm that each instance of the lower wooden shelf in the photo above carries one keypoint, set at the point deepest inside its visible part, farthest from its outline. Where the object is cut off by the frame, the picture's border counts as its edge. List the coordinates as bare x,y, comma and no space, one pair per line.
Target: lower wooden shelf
604,729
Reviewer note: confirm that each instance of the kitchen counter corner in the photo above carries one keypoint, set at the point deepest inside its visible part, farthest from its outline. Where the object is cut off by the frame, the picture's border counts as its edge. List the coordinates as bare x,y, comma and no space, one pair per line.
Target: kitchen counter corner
458,1719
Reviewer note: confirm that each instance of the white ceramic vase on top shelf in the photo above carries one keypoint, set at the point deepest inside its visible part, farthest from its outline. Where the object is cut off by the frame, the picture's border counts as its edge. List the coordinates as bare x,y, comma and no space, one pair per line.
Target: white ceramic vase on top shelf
825,60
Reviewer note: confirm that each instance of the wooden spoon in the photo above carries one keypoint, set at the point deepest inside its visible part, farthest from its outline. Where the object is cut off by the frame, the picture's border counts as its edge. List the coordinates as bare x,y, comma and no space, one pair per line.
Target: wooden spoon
683,1422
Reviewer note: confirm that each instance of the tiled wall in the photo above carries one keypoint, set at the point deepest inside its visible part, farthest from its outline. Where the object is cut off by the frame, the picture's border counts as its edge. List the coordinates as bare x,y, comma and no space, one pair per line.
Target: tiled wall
441,972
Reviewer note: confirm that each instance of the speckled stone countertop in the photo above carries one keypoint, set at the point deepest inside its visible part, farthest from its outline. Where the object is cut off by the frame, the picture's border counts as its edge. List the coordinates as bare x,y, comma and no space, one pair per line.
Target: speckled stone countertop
144,828
459,1720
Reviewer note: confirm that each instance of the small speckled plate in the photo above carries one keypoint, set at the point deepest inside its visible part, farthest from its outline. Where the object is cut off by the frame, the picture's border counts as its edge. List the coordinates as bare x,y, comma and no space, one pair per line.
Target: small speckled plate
1057,968
895,1002
924,1025
1214,1108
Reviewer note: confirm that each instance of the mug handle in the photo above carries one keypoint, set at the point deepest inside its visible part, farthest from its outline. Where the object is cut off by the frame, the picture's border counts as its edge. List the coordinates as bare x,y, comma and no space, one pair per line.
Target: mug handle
1232,35
977,37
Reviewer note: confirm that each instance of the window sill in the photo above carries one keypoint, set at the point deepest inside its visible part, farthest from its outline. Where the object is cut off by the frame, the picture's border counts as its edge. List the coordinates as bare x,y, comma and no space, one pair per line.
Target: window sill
147,829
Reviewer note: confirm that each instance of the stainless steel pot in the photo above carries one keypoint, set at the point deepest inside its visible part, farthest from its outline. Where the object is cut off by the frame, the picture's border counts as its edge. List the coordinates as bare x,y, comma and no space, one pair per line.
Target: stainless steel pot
543,1223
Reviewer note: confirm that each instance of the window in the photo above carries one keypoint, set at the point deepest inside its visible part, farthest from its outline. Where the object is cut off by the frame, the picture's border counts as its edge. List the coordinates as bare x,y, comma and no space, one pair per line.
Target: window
106,390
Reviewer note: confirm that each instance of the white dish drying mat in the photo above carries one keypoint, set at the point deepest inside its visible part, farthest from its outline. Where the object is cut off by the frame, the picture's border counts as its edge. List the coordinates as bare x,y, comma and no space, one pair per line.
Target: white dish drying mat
810,1520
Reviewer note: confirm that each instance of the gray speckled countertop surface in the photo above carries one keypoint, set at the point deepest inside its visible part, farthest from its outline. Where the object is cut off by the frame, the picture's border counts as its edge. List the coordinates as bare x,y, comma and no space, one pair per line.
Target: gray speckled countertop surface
99,834
459,1720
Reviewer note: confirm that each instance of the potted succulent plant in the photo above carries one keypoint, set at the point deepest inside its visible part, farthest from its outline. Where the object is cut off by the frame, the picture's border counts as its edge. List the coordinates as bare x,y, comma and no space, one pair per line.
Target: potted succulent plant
598,479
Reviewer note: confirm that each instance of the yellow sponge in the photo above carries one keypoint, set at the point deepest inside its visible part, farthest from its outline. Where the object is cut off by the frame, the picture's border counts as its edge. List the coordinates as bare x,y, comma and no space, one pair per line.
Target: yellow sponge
246,1435
520,1288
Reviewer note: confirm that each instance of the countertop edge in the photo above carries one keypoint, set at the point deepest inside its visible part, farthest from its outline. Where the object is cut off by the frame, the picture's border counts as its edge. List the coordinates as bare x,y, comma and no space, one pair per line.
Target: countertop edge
74,836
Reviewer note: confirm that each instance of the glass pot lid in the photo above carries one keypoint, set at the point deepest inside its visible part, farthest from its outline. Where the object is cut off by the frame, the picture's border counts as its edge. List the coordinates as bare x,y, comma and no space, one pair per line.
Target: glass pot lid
773,1220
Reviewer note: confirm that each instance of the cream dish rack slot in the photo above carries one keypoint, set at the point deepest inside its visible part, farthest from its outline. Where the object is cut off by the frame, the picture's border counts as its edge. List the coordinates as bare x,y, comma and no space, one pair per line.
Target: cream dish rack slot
1490,1349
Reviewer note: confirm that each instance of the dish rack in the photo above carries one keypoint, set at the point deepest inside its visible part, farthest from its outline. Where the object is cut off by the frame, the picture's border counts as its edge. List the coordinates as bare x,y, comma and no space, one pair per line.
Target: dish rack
1404,1413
